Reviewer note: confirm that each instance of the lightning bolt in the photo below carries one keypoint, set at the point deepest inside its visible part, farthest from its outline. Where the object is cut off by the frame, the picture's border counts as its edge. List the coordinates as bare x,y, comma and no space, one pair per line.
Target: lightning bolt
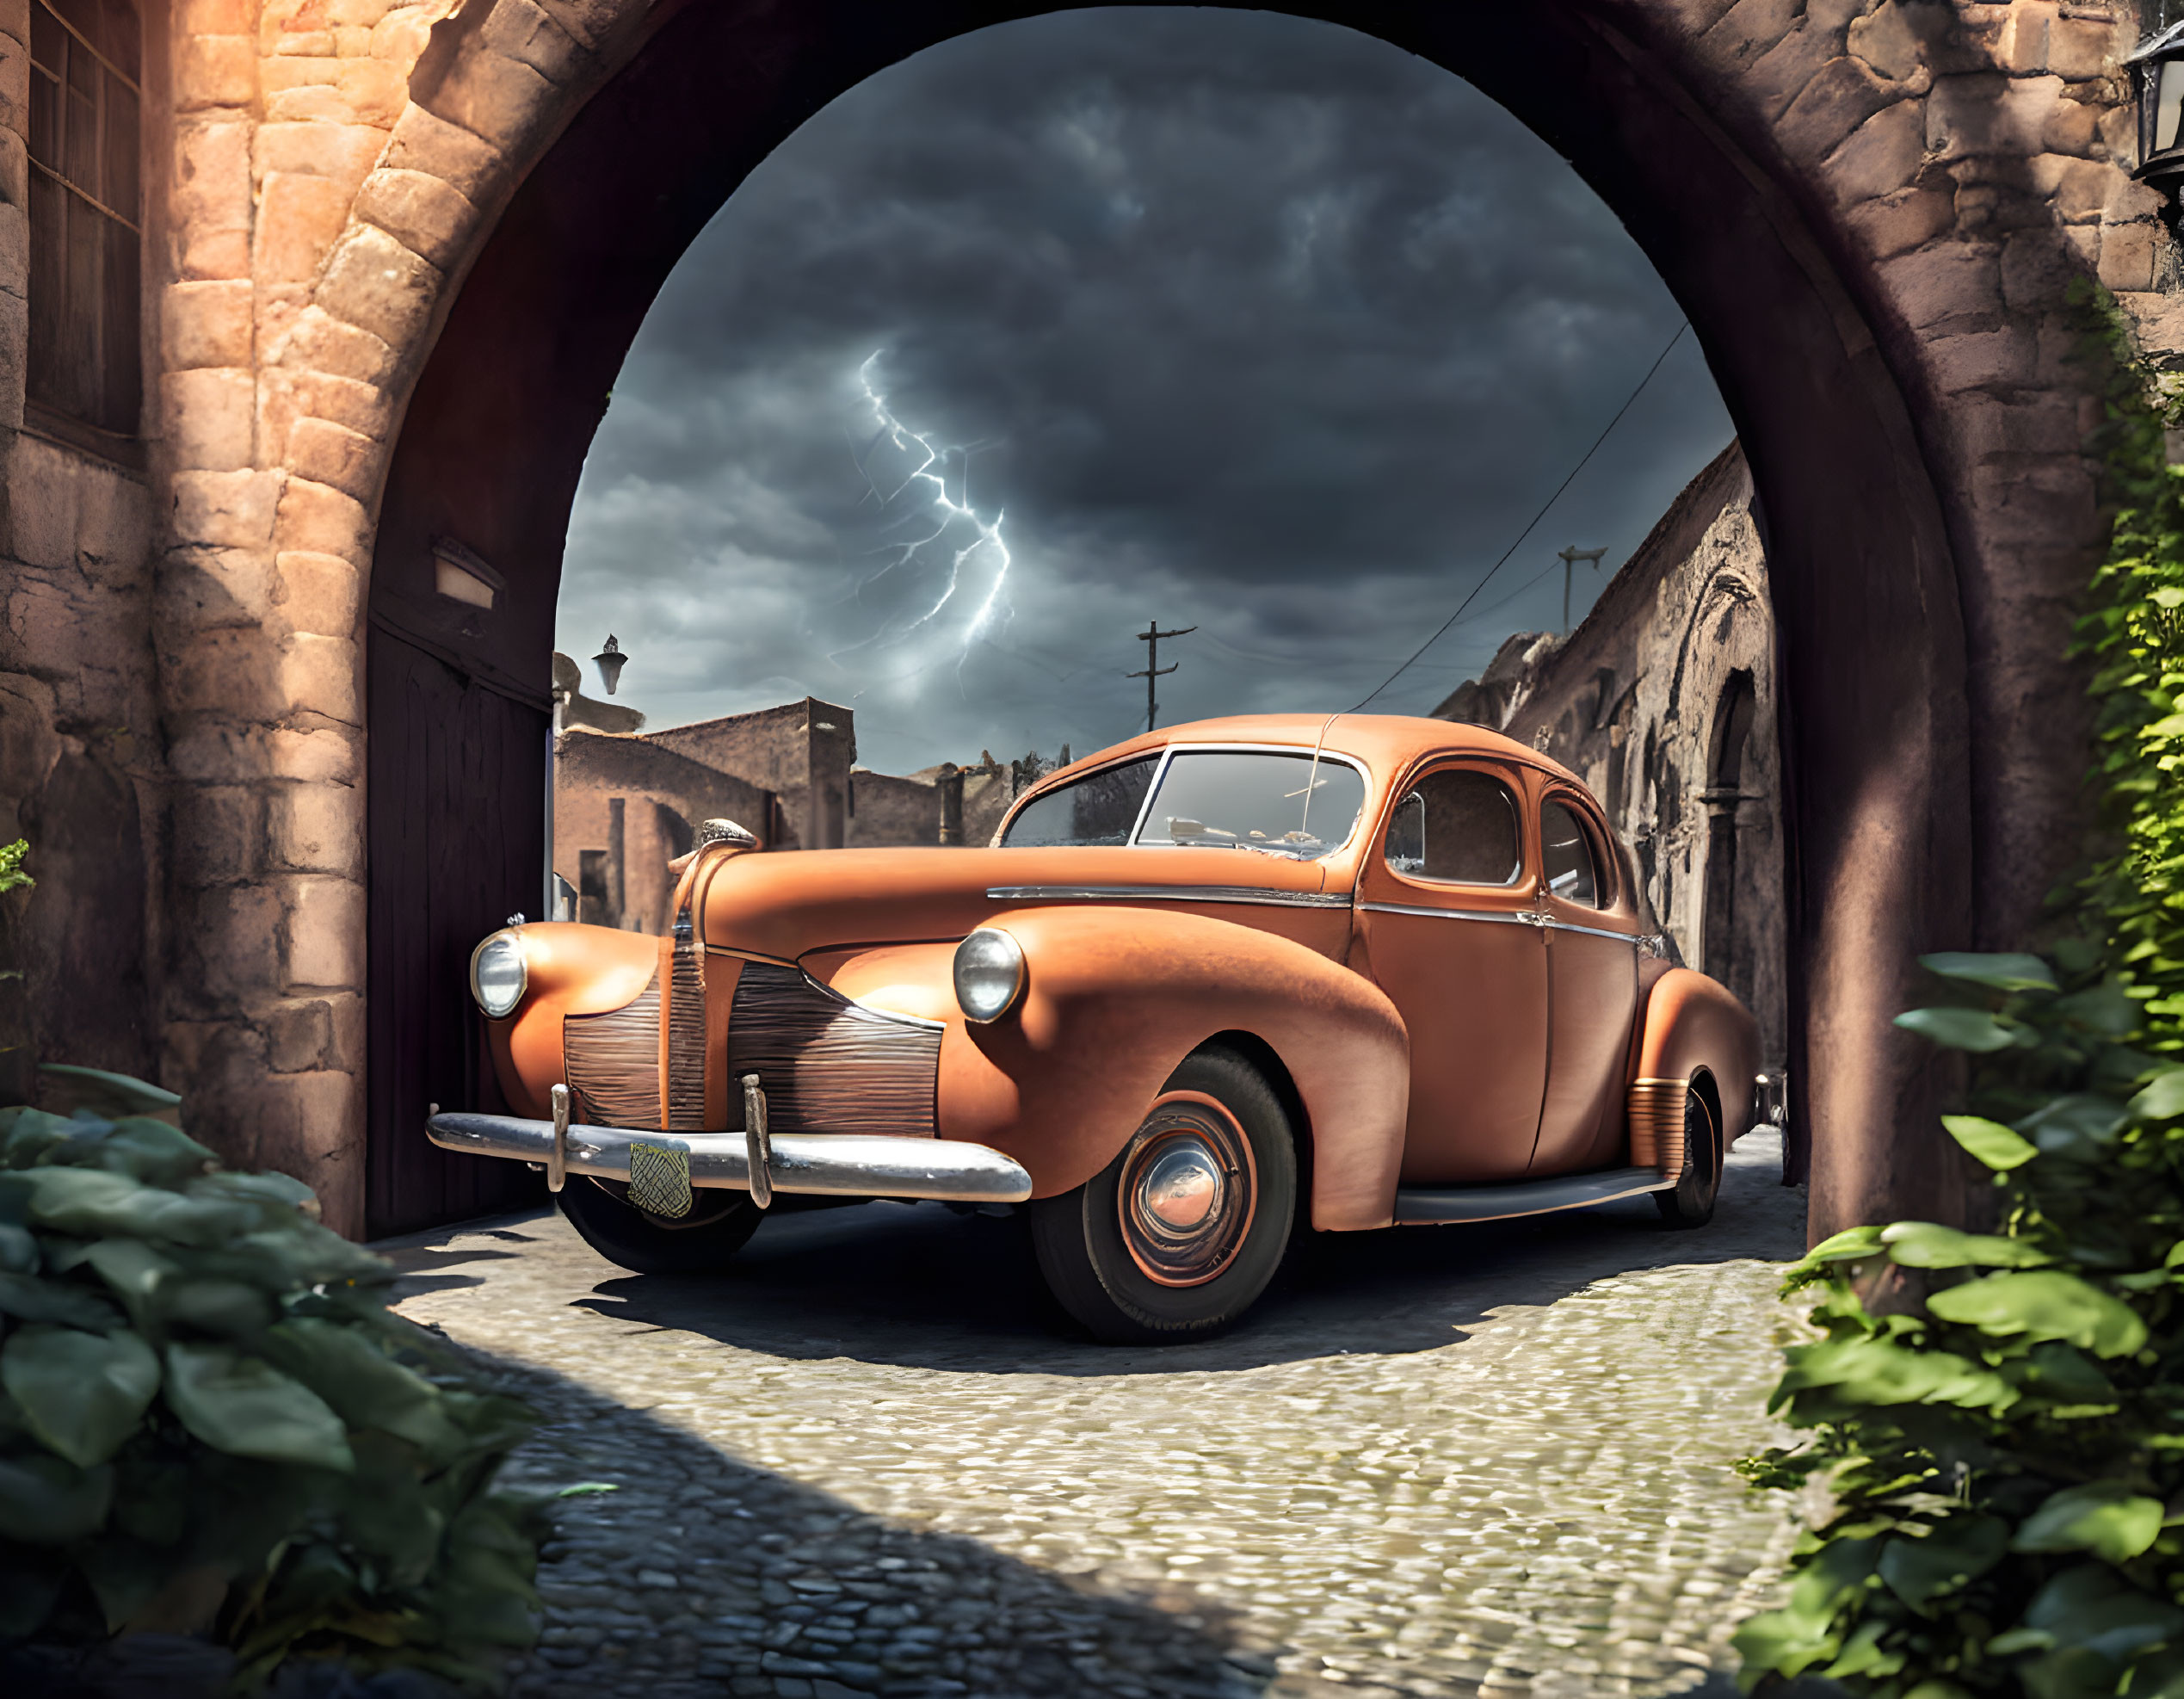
930,473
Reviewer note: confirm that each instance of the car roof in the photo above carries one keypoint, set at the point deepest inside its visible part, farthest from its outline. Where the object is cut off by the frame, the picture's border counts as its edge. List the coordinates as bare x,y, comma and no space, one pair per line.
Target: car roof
1386,742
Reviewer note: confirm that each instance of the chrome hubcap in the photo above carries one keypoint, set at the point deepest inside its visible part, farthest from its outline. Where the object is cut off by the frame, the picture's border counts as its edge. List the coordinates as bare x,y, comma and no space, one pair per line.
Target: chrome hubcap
1187,1196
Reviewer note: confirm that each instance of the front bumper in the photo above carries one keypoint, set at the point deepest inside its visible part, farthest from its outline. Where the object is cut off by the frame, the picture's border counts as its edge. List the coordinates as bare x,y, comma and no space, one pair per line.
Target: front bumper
837,1165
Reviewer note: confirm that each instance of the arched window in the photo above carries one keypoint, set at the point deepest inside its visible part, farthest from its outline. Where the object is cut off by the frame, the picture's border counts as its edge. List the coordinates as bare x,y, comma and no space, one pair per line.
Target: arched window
85,382
1733,717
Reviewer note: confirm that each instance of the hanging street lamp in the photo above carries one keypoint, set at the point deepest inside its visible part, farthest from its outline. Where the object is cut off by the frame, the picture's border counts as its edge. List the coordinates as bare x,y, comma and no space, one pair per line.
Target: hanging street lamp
2157,72
609,661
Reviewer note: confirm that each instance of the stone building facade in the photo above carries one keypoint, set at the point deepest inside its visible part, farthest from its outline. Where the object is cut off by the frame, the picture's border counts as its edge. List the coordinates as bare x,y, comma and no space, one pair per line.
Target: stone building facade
387,259
1663,701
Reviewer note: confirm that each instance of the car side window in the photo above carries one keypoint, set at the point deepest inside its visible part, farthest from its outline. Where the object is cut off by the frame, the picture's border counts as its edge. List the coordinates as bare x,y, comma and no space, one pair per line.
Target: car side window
1460,824
1572,868
1100,808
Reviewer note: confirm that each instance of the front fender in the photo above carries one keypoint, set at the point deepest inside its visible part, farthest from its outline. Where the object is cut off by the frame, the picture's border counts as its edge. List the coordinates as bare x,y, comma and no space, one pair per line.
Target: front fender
1691,1023
1115,1000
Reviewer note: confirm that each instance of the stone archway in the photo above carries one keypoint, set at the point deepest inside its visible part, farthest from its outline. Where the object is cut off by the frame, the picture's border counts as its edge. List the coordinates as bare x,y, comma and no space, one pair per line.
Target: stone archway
1868,211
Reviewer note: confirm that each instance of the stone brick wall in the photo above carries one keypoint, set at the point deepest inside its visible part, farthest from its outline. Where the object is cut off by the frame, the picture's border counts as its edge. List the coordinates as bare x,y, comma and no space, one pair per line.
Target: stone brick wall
181,663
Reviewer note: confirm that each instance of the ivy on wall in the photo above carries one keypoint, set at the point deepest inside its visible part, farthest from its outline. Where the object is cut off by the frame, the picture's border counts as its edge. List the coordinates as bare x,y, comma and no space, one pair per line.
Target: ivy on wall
1997,1420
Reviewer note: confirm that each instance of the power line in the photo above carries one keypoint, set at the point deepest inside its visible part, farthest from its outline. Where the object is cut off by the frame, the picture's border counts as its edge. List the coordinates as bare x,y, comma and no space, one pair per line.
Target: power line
1150,637
1545,508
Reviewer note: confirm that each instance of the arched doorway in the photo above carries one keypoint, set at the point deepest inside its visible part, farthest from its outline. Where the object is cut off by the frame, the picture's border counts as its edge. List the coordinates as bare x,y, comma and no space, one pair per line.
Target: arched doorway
1877,755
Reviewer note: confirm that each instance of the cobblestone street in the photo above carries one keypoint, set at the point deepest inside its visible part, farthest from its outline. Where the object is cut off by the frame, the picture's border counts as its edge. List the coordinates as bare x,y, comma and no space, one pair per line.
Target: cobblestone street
871,1459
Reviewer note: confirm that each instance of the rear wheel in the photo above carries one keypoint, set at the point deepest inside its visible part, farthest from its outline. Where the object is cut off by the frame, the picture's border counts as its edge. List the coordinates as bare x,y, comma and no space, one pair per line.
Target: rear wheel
697,1242
1179,1235
1691,1203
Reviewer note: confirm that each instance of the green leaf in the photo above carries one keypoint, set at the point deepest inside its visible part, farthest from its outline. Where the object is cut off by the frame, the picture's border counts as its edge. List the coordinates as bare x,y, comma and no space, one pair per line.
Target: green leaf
29,1299
83,1394
2162,1100
2044,1304
2080,1125
93,1203
2002,973
152,1151
1925,1244
1846,1246
367,1388
1958,1551
1973,1029
2092,1607
1989,1141
114,1094
48,1501
245,1405
2106,1518
1880,1371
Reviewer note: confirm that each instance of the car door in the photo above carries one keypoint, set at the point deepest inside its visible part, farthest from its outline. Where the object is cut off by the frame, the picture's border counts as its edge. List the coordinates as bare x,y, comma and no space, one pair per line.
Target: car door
1591,934
1447,914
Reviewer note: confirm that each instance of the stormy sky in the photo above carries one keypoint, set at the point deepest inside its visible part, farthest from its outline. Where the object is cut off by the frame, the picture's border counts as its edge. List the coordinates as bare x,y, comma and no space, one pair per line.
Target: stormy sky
1223,318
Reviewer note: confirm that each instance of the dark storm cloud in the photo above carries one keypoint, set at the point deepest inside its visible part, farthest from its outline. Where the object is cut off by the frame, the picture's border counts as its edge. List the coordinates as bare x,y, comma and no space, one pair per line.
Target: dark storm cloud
1243,321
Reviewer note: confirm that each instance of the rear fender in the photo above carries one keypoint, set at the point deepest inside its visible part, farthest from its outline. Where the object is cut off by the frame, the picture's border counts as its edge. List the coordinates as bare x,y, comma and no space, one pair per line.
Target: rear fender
1115,1000
1691,1024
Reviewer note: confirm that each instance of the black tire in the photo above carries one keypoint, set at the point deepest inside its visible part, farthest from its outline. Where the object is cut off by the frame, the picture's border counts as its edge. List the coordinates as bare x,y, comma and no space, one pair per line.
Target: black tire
1691,1203
701,1242
1133,1276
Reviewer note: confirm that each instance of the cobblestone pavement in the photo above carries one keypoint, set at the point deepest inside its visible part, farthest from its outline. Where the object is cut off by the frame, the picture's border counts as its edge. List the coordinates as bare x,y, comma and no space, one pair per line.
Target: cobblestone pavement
871,1459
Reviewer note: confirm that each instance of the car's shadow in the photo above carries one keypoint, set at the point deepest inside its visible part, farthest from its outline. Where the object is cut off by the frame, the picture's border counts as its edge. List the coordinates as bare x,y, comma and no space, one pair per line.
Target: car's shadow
920,1286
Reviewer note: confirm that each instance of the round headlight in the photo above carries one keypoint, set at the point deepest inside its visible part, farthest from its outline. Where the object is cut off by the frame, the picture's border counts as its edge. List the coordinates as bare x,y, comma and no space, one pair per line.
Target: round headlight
497,973
989,972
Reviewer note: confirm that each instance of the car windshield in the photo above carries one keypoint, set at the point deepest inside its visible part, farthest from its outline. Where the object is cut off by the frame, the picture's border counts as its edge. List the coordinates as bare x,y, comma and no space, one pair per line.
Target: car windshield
1099,808
1278,804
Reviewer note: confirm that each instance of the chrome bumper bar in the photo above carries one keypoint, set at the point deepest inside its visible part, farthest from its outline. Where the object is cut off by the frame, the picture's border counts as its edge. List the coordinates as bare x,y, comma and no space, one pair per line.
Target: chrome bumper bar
838,1165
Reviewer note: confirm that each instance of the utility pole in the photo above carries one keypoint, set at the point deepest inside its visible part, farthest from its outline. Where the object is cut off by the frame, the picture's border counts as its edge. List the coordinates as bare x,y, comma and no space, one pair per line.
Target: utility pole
1150,637
1570,557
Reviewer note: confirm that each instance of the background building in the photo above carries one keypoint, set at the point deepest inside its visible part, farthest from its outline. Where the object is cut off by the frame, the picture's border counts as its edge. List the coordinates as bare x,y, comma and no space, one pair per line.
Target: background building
1663,701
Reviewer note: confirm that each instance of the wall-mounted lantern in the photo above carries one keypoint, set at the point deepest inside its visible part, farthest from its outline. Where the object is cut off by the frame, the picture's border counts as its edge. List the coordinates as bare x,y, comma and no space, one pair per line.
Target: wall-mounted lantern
2157,71
609,661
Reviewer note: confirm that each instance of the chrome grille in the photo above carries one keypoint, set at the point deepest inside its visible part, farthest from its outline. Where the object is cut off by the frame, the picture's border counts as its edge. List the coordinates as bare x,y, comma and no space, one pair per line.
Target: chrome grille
829,1065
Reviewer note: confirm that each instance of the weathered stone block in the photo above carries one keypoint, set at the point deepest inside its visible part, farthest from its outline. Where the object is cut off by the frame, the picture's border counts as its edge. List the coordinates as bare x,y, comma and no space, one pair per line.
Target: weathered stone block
362,407
2034,499
343,152
353,41
316,829
493,97
423,142
2080,48
209,206
320,675
44,491
1880,157
592,22
2126,201
1983,360
320,518
298,1034
316,44
209,415
215,17
1886,40
376,90
214,70
226,931
280,76
324,934
310,103
205,324
318,342
1949,286
378,285
400,36
14,251
326,755
326,453
14,84
229,672
353,14
521,31
1975,114
321,593
224,509
2072,128
207,589
1748,29
2037,267
299,217
313,1129
218,832
2077,190
2129,253
421,211
2022,43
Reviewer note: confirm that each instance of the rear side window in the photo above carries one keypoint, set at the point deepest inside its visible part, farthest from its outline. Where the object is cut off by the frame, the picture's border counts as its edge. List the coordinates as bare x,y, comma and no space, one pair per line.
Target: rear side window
1573,865
1100,808
1459,824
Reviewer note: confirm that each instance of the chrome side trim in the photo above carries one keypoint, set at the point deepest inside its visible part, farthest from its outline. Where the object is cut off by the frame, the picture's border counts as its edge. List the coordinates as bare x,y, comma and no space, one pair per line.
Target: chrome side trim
1592,932
1437,1206
1172,893
1500,916
839,1164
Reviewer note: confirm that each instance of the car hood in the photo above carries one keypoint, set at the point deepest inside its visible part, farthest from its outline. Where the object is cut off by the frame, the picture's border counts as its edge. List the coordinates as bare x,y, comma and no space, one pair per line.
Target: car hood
787,906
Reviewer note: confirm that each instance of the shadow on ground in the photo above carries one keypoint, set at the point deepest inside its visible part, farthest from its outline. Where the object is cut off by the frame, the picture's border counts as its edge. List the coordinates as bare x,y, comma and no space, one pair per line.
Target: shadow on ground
922,1286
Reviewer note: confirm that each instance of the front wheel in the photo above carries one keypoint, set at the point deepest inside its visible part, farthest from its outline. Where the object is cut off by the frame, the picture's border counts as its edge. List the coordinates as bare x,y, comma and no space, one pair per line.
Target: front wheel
1690,1202
699,1243
1179,1235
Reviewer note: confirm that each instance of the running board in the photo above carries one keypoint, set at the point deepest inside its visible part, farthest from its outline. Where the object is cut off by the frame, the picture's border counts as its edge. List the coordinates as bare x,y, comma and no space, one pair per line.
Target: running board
1434,1206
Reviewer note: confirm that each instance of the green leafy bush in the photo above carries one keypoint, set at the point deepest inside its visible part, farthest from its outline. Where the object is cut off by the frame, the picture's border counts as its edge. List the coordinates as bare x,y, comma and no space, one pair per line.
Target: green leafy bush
1998,1418
11,860
210,1422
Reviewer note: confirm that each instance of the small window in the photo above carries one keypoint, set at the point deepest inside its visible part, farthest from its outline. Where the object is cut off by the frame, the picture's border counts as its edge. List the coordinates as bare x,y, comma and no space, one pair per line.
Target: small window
1573,874
84,217
1099,808
1459,824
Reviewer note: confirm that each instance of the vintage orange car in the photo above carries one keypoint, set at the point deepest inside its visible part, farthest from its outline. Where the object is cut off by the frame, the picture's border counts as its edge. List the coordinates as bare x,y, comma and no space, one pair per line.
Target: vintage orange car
1204,989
